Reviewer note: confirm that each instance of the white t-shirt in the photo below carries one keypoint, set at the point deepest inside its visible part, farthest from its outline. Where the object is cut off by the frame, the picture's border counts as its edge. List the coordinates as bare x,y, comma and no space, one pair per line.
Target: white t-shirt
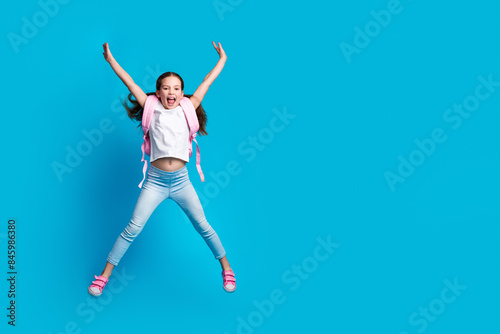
169,133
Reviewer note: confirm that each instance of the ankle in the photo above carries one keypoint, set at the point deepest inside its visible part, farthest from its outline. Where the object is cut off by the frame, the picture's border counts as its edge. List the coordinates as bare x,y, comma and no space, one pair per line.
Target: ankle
107,275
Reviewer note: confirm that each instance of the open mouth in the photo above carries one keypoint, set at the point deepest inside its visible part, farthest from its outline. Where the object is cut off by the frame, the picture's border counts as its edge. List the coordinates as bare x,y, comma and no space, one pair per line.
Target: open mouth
170,100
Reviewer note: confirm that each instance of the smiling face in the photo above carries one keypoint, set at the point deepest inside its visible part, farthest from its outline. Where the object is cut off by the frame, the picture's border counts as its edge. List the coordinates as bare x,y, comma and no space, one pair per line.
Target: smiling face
170,92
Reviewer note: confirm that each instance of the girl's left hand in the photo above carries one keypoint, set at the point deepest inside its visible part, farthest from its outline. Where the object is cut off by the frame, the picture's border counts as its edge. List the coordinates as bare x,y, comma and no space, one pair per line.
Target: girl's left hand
220,51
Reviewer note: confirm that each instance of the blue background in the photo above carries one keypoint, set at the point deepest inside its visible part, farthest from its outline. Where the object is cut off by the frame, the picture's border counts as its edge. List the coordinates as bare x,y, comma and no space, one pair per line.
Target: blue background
321,176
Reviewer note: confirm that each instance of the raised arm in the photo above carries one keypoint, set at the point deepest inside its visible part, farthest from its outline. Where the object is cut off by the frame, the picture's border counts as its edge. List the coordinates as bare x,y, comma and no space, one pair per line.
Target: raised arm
200,92
139,95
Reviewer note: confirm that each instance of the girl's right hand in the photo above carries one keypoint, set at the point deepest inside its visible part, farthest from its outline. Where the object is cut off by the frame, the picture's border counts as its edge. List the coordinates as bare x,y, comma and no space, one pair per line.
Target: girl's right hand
107,54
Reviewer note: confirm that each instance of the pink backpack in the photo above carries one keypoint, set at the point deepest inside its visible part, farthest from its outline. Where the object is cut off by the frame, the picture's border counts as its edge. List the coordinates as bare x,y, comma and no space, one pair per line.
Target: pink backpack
192,120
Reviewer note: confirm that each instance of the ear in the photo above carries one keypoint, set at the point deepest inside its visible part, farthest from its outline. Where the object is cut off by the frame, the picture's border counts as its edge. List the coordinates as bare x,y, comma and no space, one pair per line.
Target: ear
182,94
158,94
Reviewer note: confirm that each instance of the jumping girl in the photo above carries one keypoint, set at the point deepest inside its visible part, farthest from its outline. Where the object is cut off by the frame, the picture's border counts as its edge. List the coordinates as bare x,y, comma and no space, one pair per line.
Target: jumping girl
167,177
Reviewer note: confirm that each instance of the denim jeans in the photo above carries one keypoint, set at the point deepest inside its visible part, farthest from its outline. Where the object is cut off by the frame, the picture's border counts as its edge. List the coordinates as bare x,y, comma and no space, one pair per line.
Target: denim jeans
158,186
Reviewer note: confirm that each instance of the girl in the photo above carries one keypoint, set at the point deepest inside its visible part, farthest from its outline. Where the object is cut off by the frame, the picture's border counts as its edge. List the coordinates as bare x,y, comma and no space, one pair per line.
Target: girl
167,176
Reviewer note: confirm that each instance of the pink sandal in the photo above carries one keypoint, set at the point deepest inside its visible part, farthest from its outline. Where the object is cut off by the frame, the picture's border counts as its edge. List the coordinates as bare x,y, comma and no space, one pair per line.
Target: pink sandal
95,289
229,280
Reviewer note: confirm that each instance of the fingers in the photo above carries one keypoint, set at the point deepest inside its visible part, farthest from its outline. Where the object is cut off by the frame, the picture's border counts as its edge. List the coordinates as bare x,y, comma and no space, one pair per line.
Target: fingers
219,49
106,52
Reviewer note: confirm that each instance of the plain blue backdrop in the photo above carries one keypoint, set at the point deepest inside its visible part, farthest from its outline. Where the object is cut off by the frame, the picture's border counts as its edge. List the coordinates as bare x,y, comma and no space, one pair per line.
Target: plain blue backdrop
329,111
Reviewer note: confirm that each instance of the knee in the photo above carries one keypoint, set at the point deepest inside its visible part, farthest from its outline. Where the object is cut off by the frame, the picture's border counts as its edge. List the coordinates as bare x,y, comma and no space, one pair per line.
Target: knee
203,227
131,231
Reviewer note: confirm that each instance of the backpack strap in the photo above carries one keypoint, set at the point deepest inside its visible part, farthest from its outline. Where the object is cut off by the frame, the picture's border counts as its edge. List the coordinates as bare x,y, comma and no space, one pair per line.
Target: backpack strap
146,122
194,126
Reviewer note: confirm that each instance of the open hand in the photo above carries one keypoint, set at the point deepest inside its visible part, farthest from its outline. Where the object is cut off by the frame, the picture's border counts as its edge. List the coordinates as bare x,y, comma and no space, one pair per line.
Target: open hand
220,51
107,54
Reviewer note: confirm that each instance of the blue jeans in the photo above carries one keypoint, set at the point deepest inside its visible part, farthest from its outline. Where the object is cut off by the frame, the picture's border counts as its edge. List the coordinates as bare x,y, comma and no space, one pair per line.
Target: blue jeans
158,186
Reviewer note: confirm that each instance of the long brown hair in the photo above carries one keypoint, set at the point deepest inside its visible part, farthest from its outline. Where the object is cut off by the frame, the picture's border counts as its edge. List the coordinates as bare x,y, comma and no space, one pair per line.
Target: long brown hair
135,112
